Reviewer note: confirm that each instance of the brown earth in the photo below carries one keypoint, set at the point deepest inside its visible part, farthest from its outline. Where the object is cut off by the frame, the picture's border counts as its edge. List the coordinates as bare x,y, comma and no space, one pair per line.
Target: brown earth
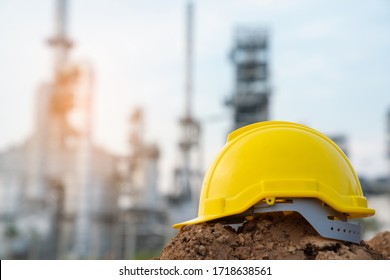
381,243
271,236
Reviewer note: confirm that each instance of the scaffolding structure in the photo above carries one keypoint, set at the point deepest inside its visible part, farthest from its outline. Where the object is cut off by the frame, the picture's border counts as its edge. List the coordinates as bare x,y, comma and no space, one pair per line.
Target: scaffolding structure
187,174
250,100
142,214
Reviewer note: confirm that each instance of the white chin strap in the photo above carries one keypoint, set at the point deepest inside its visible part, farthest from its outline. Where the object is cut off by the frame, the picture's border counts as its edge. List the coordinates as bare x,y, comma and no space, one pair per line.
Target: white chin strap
320,216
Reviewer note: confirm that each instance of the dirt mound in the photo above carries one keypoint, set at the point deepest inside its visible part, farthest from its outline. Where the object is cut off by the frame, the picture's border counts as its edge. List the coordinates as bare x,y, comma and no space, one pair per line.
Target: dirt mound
381,243
268,236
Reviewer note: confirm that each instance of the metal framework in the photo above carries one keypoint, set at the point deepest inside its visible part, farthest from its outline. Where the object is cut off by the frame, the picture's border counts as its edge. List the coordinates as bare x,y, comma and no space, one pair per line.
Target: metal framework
250,100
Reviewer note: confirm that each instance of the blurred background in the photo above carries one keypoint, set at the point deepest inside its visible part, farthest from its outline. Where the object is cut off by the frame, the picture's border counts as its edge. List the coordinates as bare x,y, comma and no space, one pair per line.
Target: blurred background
111,111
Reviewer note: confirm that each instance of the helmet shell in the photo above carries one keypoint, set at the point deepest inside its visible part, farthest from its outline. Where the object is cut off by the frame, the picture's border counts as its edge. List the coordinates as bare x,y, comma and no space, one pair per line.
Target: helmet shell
277,159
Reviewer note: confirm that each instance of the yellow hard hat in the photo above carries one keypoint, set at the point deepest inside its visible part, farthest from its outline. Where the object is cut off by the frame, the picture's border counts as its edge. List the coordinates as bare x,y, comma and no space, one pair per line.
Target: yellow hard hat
281,166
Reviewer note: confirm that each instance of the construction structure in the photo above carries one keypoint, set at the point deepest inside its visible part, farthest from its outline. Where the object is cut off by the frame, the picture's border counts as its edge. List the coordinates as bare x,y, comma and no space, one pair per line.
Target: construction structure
380,186
142,213
183,197
65,199
341,141
388,136
61,196
250,100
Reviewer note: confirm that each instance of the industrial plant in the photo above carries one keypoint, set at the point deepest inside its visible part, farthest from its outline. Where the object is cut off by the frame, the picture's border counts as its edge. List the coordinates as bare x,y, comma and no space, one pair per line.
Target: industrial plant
64,197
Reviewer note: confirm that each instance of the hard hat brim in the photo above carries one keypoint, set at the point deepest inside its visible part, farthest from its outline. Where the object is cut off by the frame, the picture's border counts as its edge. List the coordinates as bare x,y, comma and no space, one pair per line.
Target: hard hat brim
194,221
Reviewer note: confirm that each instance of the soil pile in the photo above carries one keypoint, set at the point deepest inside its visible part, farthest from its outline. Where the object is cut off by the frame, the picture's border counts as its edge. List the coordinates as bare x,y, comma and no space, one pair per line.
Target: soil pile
381,243
271,236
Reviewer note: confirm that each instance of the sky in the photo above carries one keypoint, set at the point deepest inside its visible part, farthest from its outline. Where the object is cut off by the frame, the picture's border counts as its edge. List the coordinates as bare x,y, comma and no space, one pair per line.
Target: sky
329,62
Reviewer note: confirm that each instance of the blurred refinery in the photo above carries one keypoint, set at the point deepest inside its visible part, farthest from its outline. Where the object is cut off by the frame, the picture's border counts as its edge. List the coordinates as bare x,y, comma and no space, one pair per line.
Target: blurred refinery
63,197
